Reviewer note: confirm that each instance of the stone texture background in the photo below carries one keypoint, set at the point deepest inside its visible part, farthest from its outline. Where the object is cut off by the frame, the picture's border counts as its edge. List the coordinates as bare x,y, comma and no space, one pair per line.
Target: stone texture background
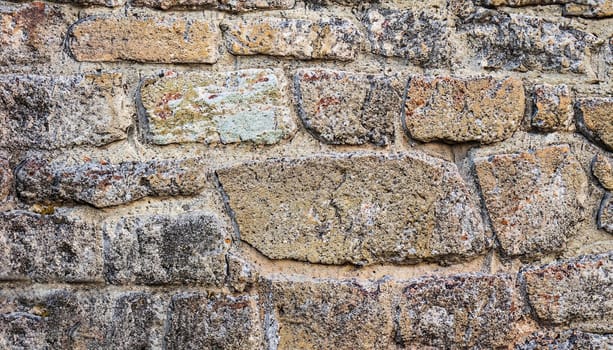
308,174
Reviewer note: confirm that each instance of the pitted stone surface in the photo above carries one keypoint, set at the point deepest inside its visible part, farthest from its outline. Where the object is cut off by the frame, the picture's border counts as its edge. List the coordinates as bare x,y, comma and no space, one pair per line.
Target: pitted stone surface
355,209
348,108
323,38
420,36
31,33
602,168
232,6
533,198
45,112
594,119
6,178
215,321
450,109
101,184
605,213
460,311
149,39
232,107
328,314
575,292
570,339
163,249
523,43
553,108
49,248
590,9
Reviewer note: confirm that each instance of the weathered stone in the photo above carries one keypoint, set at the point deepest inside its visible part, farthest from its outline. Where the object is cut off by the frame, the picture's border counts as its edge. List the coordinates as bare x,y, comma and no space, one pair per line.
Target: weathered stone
324,38
63,319
327,314
153,39
602,168
523,43
49,248
591,9
553,108
6,178
458,312
233,6
605,213
30,33
198,321
240,106
422,37
45,112
162,249
355,209
107,3
102,184
595,121
566,340
463,109
518,3
575,292
242,275
534,198
348,108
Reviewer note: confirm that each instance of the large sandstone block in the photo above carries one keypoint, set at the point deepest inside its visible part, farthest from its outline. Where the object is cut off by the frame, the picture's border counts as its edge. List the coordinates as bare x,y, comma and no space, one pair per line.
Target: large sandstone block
49,248
359,209
449,109
231,107
323,38
348,108
215,321
461,311
570,339
594,119
31,33
553,108
327,314
232,6
523,43
55,112
575,292
102,184
420,36
534,198
164,249
65,319
148,39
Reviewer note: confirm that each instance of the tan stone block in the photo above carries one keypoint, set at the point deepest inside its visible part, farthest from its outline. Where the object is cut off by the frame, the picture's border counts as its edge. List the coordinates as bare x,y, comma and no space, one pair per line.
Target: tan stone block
553,108
595,119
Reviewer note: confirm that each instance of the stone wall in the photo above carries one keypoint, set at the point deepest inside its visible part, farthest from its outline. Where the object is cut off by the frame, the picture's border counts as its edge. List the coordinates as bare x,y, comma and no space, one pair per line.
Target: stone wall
327,174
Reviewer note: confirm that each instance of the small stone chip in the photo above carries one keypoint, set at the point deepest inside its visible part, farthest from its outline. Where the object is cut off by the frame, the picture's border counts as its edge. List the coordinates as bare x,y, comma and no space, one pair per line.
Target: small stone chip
553,108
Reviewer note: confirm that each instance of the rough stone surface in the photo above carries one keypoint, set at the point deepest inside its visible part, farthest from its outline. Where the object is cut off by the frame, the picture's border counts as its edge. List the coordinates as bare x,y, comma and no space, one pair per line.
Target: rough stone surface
570,339
553,108
575,292
232,107
6,178
45,112
605,213
602,168
453,110
461,311
242,275
594,119
64,319
101,184
523,43
324,314
48,248
198,321
348,108
534,198
359,210
233,6
420,36
323,38
152,39
30,33
596,9
162,249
